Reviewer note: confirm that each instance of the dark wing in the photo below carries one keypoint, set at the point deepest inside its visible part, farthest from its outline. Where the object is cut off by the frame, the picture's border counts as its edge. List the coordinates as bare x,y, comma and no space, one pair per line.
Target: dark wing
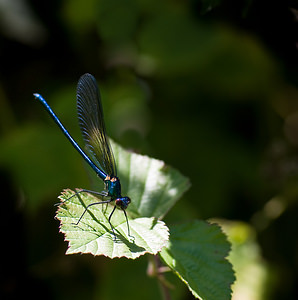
92,125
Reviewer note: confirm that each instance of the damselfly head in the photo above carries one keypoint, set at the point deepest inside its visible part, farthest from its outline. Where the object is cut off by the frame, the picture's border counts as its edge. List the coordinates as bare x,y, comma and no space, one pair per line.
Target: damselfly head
122,202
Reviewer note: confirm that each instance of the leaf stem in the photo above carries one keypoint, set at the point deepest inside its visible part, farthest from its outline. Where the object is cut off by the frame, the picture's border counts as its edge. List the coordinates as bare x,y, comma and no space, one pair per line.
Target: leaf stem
156,269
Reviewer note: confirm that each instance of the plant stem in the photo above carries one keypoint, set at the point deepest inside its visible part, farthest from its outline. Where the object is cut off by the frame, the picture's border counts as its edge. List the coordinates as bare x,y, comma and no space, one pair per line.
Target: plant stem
155,269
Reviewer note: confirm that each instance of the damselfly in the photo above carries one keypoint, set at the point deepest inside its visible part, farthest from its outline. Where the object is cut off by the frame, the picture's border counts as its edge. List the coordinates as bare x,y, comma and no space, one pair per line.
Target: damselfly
101,158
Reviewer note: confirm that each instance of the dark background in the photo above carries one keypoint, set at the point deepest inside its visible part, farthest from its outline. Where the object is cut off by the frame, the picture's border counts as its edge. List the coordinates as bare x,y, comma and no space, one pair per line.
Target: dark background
209,86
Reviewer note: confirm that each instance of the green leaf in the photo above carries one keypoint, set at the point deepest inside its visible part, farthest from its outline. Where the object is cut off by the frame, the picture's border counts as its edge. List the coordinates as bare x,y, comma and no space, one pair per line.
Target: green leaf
93,233
197,253
152,186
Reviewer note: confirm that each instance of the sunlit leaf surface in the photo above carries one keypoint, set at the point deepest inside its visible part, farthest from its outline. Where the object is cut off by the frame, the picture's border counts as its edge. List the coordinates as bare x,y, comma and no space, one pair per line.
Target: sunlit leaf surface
94,235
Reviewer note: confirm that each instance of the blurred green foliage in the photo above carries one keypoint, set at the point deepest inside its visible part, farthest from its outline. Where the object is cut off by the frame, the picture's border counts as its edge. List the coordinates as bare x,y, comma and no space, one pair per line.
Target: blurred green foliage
209,87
